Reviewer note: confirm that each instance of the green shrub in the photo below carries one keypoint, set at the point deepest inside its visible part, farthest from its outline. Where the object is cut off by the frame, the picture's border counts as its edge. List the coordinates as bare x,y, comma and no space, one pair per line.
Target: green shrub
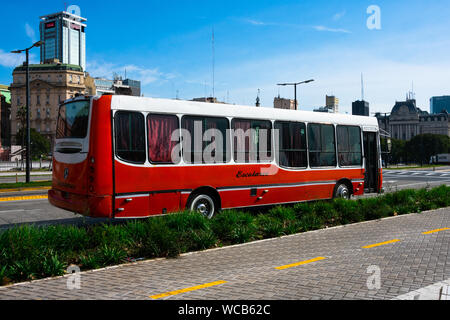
374,208
89,261
288,217
269,227
349,211
161,241
234,227
310,221
4,280
326,213
52,265
110,255
187,221
194,240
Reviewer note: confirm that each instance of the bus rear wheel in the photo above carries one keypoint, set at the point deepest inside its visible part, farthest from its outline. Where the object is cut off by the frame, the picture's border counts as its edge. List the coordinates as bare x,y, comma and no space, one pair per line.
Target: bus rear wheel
342,191
203,204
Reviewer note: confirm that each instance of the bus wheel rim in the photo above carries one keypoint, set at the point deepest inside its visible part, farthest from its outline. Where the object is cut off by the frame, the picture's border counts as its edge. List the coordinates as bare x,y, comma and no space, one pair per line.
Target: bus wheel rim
343,192
203,205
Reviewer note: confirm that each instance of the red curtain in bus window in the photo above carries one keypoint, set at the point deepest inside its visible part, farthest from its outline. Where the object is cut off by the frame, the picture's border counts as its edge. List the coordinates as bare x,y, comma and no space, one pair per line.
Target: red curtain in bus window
241,141
130,136
160,130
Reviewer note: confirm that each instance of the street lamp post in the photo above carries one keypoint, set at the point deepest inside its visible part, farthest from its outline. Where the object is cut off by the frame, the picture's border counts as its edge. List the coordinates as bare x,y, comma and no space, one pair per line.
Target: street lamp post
27,70
295,89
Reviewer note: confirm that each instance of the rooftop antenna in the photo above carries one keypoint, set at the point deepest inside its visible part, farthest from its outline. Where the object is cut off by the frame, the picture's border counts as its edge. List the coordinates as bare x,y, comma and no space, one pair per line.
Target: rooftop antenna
213,63
362,87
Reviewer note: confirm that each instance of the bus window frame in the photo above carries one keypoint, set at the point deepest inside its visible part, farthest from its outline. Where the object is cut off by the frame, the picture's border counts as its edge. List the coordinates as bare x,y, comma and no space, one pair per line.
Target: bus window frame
227,138
272,151
147,141
335,146
361,145
89,119
117,157
306,149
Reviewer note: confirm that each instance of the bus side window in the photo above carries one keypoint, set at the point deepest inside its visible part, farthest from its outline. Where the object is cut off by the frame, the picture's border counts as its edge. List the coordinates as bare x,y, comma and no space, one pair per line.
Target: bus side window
252,141
161,138
349,146
205,140
322,145
129,130
292,144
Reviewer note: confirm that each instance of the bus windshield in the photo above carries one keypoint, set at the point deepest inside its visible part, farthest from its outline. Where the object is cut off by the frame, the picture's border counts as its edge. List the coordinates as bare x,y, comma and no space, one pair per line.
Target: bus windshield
73,120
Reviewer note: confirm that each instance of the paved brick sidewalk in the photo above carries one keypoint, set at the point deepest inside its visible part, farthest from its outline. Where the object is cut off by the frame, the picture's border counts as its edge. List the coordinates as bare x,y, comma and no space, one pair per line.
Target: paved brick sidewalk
413,262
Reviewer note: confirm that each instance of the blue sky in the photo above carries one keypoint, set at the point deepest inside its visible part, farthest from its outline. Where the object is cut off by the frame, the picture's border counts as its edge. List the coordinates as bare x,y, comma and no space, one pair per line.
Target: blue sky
167,45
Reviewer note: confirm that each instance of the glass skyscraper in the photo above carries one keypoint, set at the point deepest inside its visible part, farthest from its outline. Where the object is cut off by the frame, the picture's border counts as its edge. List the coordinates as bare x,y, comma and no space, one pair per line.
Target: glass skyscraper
439,104
64,35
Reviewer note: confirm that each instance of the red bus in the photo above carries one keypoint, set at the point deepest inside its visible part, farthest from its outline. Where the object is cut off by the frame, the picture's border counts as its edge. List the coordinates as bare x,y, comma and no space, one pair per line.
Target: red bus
132,157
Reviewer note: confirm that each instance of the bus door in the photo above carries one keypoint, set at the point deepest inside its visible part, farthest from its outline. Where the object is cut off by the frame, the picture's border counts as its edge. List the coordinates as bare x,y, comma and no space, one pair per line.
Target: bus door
371,160
130,186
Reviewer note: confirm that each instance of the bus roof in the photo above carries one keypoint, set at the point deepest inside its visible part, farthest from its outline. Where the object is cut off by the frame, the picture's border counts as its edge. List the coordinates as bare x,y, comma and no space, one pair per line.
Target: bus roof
184,107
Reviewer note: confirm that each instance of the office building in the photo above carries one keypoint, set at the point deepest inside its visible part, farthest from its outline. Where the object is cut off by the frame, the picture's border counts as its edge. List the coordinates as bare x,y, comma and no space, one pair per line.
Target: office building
50,85
439,104
360,108
64,36
102,86
5,116
281,103
332,103
134,85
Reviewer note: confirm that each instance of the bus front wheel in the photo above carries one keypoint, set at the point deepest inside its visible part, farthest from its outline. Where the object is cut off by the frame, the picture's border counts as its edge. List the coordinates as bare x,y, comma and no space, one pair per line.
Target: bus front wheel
203,204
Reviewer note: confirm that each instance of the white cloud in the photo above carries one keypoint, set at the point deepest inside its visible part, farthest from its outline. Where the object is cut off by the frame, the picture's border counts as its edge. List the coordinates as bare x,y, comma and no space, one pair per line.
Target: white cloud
145,75
11,60
327,29
255,22
339,15
30,33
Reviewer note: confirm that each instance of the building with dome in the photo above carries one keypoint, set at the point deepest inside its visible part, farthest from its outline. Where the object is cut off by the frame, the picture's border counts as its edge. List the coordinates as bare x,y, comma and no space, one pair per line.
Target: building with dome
406,121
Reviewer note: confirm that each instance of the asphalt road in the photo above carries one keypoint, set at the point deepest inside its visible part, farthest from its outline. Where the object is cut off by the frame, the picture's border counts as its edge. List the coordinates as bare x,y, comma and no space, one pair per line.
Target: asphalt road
40,212
414,179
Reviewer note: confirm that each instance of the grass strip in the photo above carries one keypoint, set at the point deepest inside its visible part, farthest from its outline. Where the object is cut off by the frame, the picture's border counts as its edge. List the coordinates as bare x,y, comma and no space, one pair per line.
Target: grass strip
23,185
29,252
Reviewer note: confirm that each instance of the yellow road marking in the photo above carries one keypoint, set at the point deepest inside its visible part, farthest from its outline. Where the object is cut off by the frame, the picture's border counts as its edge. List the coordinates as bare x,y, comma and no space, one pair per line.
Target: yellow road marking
381,244
437,230
300,263
24,198
173,293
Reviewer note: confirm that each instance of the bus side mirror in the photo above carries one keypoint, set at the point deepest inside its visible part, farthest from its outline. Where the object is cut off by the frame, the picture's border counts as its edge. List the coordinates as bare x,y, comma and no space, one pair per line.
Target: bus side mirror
386,145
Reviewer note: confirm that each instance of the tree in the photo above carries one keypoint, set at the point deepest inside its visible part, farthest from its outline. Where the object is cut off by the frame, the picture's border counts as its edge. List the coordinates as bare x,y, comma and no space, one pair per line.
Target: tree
422,147
398,153
21,116
40,146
